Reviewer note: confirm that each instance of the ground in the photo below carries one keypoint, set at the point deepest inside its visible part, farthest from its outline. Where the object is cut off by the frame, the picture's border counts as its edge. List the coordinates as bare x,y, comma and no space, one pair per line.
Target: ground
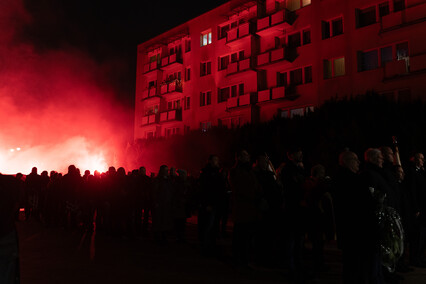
54,255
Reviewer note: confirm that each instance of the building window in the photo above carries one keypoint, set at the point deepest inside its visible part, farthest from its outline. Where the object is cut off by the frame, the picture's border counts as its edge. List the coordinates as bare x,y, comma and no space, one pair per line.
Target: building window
172,131
205,68
152,84
206,38
308,74
222,31
241,89
368,60
150,134
205,98
332,28
398,5
173,105
205,125
372,59
223,95
188,45
187,102
384,9
294,40
153,109
307,36
296,77
334,67
293,5
365,17
223,62
187,73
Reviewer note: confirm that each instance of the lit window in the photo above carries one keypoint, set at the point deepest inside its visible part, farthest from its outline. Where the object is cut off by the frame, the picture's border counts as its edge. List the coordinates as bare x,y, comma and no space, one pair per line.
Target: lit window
334,67
206,38
293,5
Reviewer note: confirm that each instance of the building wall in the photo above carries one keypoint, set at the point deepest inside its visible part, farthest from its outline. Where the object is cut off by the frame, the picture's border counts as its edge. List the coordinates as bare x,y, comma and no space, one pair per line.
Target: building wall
284,58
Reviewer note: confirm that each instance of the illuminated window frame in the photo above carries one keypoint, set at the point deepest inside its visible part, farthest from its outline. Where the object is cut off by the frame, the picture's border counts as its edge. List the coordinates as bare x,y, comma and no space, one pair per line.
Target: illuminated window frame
206,38
331,63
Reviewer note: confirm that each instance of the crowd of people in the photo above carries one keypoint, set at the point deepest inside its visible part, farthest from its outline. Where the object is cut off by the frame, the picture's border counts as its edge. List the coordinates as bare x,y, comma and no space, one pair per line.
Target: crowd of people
372,211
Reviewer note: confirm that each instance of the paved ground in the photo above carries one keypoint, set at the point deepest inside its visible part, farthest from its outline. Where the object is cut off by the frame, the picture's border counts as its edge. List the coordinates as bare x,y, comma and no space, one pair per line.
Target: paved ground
53,255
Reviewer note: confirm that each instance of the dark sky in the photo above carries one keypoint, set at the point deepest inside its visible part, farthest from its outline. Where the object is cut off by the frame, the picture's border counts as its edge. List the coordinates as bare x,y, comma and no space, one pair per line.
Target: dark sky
108,31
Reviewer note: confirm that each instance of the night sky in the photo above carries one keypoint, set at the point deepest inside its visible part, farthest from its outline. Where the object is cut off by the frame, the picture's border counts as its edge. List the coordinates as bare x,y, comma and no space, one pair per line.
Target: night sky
108,31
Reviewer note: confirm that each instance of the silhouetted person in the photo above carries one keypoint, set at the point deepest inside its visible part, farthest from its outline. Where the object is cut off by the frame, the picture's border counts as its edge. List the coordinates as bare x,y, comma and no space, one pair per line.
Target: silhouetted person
33,186
246,194
212,186
162,219
9,254
179,204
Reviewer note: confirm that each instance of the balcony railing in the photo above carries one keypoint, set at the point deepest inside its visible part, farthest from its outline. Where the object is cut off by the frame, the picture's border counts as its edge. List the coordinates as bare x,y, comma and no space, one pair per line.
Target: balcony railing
239,66
278,21
271,56
149,93
171,59
149,119
271,94
395,68
239,101
171,87
409,15
418,62
150,67
238,32
171,115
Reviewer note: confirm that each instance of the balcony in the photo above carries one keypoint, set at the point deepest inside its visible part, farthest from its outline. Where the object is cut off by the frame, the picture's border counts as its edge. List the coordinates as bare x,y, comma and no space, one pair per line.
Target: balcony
240,101
418,63
174,86
272,56
239,66
395,68
150,119
171,115
149,93
151,67
271,94
274,24
171,60
408,16
233,36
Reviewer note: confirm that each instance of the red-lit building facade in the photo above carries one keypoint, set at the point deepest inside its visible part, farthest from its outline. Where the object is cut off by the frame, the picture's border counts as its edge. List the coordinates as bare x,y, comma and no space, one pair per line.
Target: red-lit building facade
248,61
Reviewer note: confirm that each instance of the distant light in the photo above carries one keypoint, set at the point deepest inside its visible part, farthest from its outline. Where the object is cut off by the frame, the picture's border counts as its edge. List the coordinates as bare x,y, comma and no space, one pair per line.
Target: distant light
12,150
18,149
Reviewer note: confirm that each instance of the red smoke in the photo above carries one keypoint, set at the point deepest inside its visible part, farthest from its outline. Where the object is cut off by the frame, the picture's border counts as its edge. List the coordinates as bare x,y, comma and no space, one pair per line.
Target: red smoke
55,106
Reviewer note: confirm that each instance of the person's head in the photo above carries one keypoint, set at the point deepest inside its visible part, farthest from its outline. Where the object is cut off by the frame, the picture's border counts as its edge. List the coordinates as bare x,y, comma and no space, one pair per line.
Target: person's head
72,169
295,155
163,172
262,162
121,172
399,173
318,171
214,161
34,170
387,153
349,160
172,171
87,173
419,160
44,174
243,157
142,171
183,174
111,171
374,156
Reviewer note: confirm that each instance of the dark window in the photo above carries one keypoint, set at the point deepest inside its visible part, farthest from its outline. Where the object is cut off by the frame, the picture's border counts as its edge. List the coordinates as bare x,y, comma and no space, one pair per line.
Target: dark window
234,57
188,74
188,45
306,36
223,95
337,25
366,17
205,68
234,91
325,29
383,9
152,84
308,74
202,99
402,51
282,79
296,77
328,71
223,31
385,55
234,25
398,5
187,102
294,40
369,60
223,63
241,55
241,89
209,98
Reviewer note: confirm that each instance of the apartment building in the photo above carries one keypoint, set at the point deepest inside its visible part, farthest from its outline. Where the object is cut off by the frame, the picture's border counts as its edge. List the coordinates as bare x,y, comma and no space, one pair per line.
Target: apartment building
248,61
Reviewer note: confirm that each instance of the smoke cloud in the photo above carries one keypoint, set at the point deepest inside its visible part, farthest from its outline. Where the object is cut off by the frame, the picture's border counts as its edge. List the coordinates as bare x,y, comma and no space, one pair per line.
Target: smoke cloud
56,106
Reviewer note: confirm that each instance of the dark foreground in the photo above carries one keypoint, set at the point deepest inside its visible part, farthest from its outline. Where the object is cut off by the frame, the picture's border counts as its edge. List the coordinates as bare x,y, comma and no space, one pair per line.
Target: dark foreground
53,255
